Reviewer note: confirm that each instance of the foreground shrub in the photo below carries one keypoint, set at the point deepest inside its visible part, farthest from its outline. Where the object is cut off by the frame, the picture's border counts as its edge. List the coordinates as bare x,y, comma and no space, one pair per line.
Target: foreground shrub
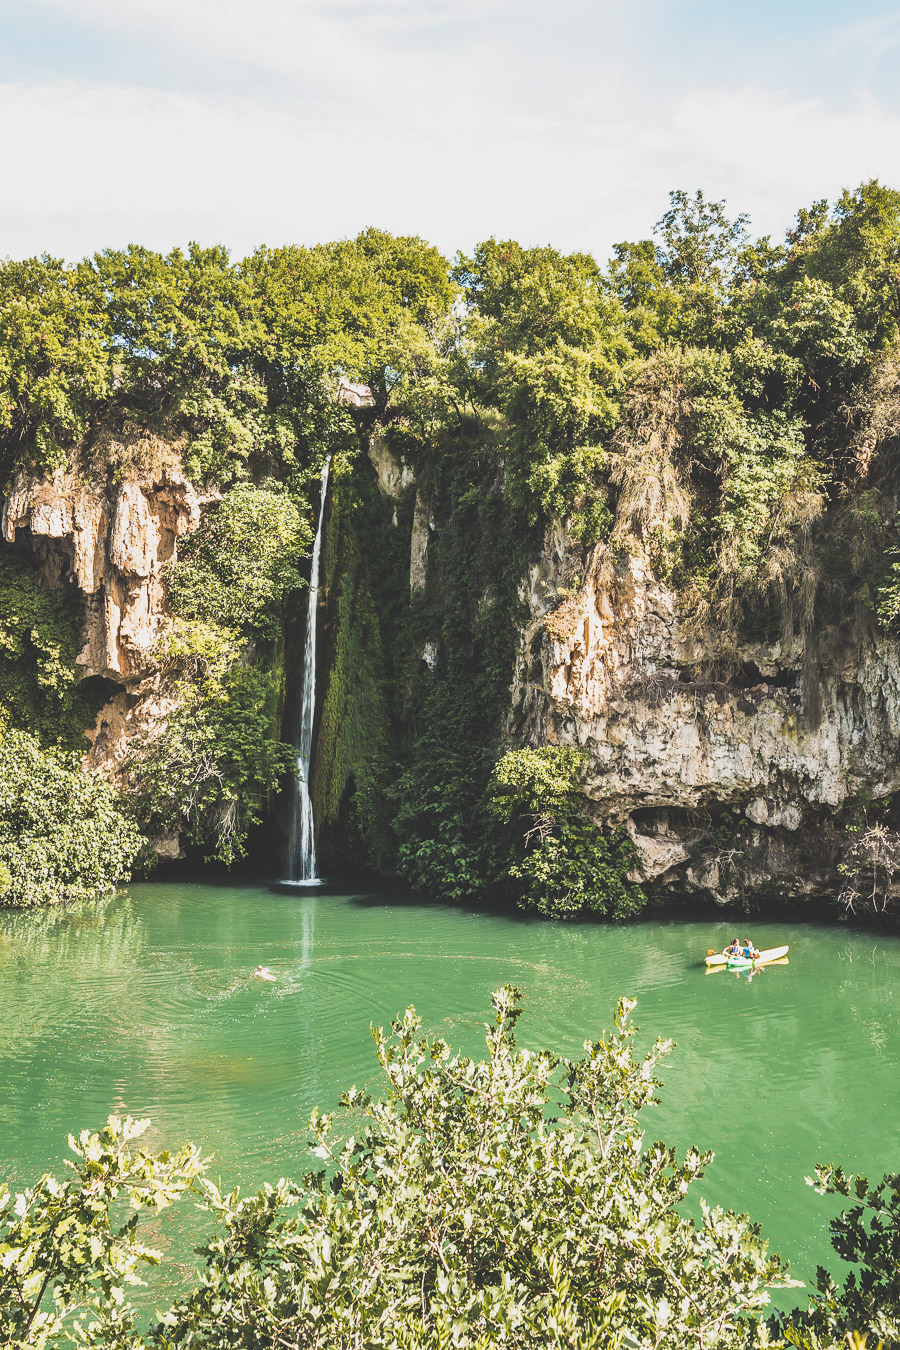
65,1263
509,1202
62,835
868,1236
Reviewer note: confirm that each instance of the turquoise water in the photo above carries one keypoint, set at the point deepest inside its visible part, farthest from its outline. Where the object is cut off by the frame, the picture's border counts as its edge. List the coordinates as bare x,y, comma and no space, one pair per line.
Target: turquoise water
149,1006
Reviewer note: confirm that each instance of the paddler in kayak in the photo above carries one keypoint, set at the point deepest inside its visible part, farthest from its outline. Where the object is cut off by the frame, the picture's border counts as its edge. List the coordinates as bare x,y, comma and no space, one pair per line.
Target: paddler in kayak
748,951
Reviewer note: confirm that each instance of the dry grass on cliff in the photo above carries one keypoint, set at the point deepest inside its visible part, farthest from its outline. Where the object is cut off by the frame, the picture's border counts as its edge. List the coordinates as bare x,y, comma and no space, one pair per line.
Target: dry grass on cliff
654,496
875,416
131,451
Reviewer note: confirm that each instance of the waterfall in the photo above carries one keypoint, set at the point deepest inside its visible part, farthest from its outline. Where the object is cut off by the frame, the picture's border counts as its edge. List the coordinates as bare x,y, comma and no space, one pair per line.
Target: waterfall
302,836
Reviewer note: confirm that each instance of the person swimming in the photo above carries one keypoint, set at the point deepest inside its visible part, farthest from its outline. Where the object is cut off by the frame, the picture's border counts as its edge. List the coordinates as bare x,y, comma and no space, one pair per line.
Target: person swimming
264,973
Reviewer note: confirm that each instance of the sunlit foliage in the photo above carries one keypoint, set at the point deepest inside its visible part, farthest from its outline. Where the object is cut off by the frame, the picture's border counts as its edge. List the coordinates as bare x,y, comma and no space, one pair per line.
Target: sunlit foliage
63,835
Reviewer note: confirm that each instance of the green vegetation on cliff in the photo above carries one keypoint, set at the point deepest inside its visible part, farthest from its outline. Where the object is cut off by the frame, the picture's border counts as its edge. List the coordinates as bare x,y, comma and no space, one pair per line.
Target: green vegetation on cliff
63,835
39,640
363,575
209,766
563,862
728,407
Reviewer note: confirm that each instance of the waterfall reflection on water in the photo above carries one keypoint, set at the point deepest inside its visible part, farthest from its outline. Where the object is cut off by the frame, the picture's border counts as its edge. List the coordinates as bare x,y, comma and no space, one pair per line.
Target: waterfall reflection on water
302,842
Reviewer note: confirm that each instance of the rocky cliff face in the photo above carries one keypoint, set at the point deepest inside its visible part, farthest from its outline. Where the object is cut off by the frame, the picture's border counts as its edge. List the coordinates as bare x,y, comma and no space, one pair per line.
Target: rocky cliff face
727,788
111,541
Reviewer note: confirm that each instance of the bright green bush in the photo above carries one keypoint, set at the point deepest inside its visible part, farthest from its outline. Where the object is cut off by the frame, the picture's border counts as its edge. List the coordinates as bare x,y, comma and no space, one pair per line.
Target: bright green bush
237,568
563,863
511,1201
40,633
62,833
66,1264
207,769
508,1201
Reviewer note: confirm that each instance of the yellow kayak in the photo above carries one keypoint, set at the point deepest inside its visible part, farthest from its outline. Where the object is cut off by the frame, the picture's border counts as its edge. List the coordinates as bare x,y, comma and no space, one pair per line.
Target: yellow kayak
717,970
770,954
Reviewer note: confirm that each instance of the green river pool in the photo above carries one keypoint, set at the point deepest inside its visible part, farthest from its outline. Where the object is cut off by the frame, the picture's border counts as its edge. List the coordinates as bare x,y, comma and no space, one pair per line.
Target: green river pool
148,1005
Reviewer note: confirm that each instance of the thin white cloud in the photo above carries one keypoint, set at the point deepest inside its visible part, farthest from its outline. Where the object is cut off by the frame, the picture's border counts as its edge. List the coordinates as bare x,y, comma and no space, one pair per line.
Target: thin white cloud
770,153
874,37
479,130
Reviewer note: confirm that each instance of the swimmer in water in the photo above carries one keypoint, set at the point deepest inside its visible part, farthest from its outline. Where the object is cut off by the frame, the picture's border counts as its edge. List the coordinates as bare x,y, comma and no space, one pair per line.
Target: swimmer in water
264,973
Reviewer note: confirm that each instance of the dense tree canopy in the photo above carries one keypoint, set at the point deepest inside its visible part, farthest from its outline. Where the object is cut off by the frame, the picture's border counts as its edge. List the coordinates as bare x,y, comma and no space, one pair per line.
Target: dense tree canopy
239,361
728,406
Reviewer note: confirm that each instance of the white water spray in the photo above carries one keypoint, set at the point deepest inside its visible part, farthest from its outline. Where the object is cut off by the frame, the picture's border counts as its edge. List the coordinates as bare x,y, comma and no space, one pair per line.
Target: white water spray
303,837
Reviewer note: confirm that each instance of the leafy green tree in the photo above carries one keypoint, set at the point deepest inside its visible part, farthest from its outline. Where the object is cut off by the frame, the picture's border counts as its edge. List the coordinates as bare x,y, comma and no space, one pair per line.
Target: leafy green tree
857,253
414,272
508,1201
208,768
675,286
866,1236
564,864
888,604
66,1264
698,244
367,310
239,566
548,350
55,365
63,835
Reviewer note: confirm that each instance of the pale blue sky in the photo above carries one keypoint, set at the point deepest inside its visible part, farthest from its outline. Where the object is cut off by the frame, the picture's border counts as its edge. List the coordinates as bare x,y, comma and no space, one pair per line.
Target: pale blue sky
298,120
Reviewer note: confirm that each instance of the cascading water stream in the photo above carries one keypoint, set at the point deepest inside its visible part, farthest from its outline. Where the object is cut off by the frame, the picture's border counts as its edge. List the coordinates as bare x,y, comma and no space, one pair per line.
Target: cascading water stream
302,834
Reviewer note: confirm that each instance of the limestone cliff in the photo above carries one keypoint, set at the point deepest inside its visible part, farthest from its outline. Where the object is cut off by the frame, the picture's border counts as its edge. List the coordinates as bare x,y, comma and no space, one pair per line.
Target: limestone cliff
727,787
110,540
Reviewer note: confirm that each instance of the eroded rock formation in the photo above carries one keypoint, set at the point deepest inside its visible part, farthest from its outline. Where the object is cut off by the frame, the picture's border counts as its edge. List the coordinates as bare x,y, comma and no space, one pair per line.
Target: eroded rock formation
727,787
111,541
